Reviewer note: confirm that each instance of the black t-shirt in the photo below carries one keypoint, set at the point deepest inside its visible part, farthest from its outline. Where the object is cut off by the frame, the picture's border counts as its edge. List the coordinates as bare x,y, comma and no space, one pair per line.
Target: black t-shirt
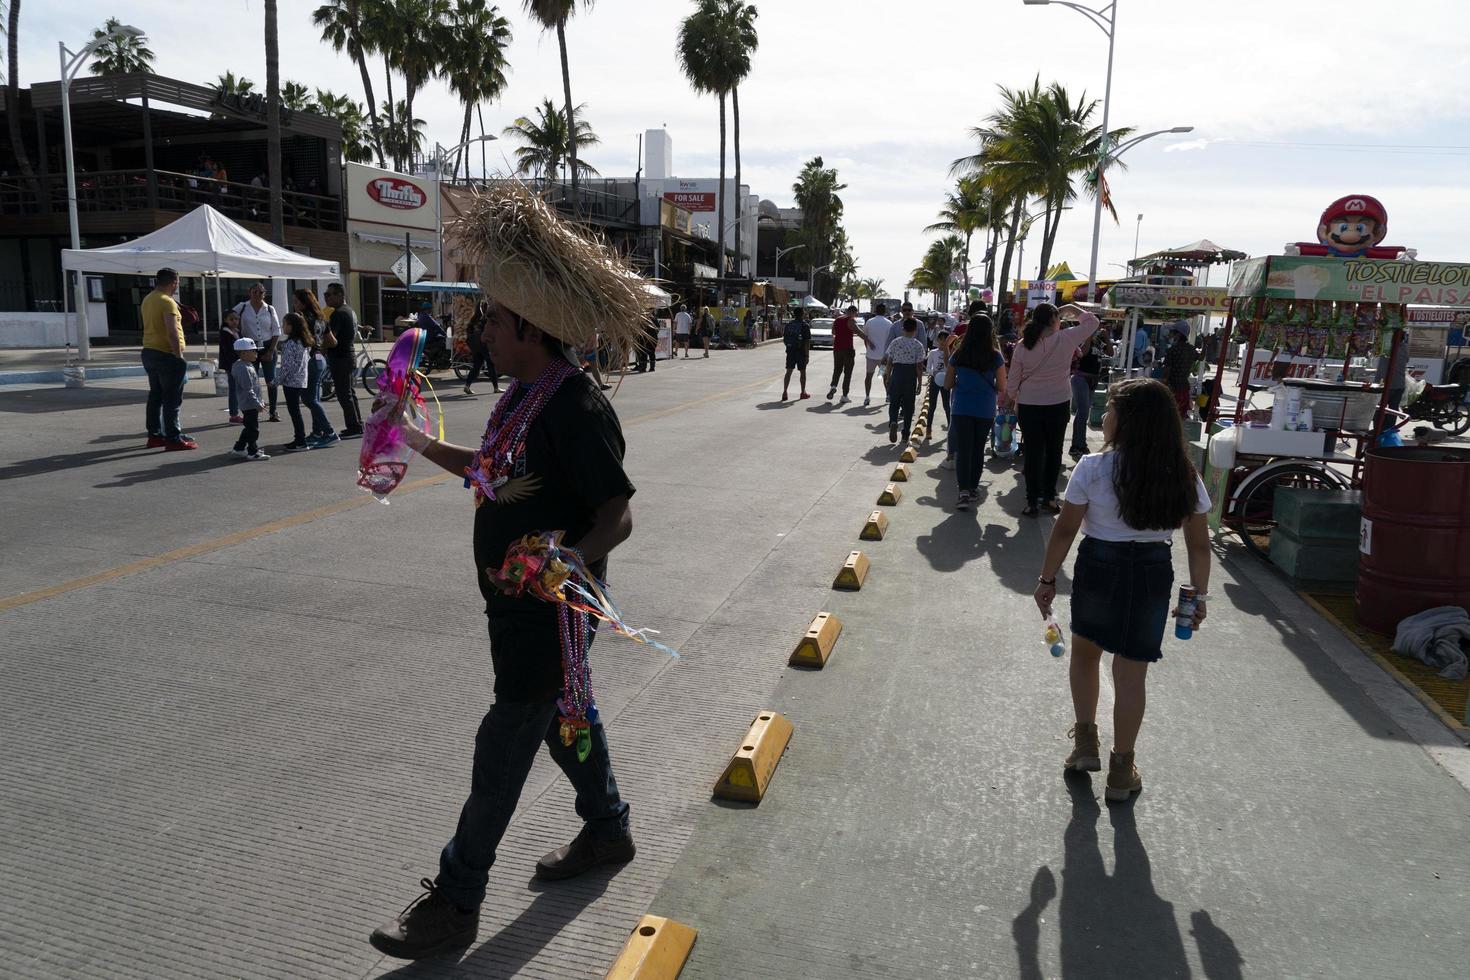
573,464
796,336
343,323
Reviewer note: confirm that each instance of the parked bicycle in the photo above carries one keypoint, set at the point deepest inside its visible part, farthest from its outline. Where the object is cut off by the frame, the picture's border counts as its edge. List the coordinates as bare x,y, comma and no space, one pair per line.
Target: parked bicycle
366,369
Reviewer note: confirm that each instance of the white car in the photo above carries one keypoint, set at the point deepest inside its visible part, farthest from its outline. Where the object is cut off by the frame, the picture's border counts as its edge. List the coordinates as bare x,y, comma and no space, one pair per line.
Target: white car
821,332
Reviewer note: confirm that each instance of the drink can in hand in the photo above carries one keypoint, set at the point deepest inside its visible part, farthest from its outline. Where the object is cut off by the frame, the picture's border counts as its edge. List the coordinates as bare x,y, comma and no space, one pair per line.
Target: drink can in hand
1184,612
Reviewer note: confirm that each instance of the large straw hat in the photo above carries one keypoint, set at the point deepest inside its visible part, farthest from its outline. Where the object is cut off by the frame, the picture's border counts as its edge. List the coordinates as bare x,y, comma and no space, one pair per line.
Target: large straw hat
537,264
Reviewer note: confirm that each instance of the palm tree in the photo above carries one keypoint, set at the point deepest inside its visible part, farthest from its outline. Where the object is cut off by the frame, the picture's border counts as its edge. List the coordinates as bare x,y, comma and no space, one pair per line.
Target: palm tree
12,98
341,22
545,142
736,19
477,68
229,84
273,120
295,97
424,27
935,274
870,288
555,14
406,140
707,55
966,210
357,144
816,191
118,54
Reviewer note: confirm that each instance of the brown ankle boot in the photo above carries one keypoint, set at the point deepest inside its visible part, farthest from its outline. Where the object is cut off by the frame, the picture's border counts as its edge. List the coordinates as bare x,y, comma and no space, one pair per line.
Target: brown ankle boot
1085,756
1123,777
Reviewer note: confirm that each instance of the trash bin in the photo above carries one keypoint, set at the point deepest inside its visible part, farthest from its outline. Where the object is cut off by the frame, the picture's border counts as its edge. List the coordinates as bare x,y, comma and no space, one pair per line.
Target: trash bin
1414,543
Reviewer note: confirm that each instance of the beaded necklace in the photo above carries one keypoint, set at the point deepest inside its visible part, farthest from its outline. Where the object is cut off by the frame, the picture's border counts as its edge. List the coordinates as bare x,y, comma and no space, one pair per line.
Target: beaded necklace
505,438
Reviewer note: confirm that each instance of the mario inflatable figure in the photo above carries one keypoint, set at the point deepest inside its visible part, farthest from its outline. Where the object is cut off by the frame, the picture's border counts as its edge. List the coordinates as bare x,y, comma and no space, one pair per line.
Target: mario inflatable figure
1351,228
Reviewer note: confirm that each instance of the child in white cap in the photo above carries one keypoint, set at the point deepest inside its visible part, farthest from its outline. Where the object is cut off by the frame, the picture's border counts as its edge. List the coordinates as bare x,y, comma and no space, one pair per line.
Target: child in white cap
247,385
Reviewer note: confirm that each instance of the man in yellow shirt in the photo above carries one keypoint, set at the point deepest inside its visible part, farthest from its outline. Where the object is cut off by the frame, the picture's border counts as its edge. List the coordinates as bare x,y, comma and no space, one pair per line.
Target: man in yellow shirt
163,360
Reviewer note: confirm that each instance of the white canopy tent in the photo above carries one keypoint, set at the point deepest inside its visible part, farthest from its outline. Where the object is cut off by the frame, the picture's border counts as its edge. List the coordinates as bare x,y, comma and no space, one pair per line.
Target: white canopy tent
202,243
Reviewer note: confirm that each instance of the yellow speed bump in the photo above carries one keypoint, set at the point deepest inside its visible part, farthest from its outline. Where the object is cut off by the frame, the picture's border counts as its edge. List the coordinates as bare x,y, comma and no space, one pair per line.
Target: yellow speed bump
900,473
890,495
750,769
876,526
815,646
656,949
853,573
915,440
920,430
909,455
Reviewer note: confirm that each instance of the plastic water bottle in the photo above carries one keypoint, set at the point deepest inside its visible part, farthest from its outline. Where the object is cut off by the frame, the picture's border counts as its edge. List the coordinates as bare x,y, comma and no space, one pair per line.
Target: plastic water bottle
1184,613
1053,638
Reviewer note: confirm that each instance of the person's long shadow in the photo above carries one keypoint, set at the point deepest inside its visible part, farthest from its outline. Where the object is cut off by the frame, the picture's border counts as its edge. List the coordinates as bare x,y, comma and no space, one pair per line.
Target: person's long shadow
520,940
1114,925
167,471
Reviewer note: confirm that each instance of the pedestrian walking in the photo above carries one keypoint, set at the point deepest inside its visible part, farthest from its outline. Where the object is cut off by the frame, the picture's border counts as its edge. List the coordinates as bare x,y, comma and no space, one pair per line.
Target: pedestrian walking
877,333
551,459
340,343
844,353
1038,383
163,362
1179,358
247,387
705,329
921,332
591,355
902,360
936,363
1127,501
975,379
647,349
683,325
1086,369
260,322
229,332
293,373
305,304
475,337
798,340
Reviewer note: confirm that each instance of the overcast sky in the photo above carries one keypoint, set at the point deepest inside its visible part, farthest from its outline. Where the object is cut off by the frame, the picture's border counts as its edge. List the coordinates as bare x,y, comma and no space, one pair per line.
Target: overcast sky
1294,103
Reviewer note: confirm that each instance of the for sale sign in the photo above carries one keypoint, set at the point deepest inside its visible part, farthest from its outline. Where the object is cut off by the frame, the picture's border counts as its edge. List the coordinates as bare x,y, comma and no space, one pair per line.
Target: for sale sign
692,200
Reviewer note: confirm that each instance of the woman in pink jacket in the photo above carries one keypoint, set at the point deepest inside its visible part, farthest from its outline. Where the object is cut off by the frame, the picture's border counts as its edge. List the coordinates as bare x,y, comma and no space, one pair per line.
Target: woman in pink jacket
1039,384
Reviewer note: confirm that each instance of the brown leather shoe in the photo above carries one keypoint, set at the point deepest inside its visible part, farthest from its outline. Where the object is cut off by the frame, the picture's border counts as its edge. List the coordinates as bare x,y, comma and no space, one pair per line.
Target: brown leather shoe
431,924
1123,777
1085,756
584,853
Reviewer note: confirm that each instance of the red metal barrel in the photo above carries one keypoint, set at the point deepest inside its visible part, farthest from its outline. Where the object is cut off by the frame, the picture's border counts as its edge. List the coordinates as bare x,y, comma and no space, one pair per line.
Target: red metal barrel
1415,543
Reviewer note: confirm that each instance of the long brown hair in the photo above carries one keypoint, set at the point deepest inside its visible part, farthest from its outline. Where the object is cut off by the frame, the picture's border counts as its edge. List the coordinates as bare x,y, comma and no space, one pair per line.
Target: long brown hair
1036,323
1152,474
978,346
308,299
298,329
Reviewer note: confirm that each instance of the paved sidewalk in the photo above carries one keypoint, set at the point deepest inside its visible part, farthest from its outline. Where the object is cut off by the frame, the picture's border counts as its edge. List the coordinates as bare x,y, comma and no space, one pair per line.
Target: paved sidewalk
239,757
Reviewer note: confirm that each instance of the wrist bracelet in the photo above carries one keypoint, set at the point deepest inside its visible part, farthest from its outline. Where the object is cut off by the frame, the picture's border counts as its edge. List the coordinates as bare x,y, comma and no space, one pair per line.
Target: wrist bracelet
1046,581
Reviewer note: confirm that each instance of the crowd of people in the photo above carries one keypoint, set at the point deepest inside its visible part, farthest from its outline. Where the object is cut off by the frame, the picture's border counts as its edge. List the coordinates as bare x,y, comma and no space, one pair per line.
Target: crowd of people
258,348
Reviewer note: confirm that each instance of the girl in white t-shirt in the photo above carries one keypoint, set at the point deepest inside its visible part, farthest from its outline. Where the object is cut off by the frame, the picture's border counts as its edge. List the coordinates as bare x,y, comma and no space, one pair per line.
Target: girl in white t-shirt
1127,500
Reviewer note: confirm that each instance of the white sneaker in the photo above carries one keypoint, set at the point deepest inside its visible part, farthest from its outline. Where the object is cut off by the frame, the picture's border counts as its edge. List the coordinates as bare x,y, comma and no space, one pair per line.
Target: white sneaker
257,456
239,454
947,464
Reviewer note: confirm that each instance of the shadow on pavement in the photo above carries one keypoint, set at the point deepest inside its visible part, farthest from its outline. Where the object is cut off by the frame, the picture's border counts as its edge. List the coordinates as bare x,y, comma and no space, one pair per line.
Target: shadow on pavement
197,462
522,939
1113,925
768,406
72,461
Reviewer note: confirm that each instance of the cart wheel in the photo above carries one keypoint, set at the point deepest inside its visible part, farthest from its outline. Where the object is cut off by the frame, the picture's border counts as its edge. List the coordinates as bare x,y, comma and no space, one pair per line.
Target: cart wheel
461,367
329,387
1458,422
1254,511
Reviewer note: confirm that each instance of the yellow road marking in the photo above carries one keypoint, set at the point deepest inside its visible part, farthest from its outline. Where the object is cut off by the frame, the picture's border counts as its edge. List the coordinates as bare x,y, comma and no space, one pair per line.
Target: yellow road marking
306,517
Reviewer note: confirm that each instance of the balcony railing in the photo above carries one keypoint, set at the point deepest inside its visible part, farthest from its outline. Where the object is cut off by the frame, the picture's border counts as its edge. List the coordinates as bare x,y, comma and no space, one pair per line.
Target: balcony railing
597,206
132,190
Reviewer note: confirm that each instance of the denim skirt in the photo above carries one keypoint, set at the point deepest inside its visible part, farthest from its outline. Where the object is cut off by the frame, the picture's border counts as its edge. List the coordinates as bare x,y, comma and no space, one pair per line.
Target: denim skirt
1122,593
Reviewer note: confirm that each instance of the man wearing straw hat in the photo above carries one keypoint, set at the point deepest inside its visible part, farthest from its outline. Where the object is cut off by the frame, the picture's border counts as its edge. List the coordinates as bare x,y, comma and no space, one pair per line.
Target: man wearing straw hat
551,460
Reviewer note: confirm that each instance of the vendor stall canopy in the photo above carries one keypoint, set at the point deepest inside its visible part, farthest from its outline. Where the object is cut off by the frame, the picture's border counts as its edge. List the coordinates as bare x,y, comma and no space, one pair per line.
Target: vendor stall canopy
201,243
1202,252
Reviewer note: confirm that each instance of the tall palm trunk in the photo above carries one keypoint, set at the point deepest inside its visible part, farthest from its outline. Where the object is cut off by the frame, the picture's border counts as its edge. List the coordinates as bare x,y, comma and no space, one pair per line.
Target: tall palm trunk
391,122
566,90
968,235
410,90
367,87
1003,286
464,138
273,120
12,101
720,219
739,204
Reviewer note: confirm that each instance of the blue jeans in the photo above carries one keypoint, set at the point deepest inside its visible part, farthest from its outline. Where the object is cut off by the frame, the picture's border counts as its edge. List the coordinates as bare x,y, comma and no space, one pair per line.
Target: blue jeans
320,424
1082,389
166,376
505,747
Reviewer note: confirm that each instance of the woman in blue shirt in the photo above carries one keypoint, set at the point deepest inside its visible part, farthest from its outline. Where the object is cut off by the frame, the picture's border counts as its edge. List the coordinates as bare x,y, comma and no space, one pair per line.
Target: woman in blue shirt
977,372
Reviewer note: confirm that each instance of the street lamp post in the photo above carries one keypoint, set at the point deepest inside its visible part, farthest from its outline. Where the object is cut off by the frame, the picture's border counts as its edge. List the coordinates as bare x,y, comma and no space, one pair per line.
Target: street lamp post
440,152
780,252
71,61
1106,20
1138,227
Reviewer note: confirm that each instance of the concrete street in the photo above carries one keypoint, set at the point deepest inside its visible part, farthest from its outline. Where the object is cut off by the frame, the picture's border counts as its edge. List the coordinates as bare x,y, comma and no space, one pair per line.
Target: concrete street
239,702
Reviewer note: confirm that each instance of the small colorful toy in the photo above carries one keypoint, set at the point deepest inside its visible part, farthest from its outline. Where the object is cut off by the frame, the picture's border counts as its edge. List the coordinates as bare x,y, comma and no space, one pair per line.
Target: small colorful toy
1053,637
385,454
